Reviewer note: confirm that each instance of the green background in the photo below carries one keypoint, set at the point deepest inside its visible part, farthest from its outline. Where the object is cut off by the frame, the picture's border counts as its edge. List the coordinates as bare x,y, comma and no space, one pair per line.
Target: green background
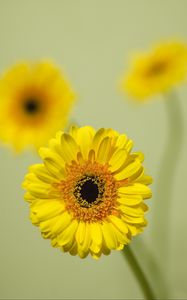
91,40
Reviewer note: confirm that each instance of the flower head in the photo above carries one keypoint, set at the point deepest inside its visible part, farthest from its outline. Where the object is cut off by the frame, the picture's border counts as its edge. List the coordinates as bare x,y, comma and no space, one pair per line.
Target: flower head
158,71
35,101
87,195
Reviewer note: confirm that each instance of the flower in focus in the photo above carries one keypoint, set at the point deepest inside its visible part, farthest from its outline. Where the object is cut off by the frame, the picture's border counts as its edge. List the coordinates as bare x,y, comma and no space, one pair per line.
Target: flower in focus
158,71
35,101
87,195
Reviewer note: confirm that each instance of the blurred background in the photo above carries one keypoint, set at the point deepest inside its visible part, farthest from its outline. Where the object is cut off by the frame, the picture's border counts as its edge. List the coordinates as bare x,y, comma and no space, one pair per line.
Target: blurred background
91,41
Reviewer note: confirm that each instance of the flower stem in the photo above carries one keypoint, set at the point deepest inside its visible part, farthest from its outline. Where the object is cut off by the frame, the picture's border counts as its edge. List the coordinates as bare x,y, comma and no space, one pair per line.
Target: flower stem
139,274
165,181
153,267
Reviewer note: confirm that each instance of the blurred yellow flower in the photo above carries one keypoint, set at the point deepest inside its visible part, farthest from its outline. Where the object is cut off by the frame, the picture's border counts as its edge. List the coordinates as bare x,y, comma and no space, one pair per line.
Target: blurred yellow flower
155,72
35,101
87,196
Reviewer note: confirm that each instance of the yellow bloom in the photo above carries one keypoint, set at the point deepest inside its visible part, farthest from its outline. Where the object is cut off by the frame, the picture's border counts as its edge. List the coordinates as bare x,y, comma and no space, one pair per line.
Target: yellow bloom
87,196
35,101
158,71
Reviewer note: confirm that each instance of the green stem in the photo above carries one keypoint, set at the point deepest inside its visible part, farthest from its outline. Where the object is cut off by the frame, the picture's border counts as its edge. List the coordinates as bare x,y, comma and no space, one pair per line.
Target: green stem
139,274
165,181
153,267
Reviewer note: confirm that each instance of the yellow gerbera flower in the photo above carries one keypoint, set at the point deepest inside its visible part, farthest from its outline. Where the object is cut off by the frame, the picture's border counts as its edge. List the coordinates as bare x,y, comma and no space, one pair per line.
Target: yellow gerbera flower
157,71
35,101
87,196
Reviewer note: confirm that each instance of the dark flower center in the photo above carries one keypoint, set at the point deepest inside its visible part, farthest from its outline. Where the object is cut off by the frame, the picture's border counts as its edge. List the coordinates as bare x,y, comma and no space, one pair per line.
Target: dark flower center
89,190
157,68
31,106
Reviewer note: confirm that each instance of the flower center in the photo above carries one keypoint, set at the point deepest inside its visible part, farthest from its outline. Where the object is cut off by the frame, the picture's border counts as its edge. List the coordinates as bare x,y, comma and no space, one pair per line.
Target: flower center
89,190
157,68
31,106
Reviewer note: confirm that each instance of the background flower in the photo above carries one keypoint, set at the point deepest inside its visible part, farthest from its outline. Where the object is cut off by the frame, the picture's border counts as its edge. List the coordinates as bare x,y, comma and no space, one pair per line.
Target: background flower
88,195
157,71
35,101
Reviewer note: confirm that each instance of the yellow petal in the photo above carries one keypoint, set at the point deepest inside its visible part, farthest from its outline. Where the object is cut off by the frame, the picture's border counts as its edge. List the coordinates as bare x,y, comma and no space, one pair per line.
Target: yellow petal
122,238
84,139
102,134
138,155
98,137
104,150
28,197
130,200
80,158
117,160
133,220
54,169
54,242
135,229
135,177
105,250
109,236
87,239
68,234
111,132
129,146
41,172
80,234
96,237
48,209
55,143
95,248
144,206
48,153
124,143
118,223
68,245
145,179
121,141
91,155
132,211
73,250
41,191
34,219
45,226
129,170
82,253
136,189
61,223
96,233
46,235
30,178
69,148
96,256
73,131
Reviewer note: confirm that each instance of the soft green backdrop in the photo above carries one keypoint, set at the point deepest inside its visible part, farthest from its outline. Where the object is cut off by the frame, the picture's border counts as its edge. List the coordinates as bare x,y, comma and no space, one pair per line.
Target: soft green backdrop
91,41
